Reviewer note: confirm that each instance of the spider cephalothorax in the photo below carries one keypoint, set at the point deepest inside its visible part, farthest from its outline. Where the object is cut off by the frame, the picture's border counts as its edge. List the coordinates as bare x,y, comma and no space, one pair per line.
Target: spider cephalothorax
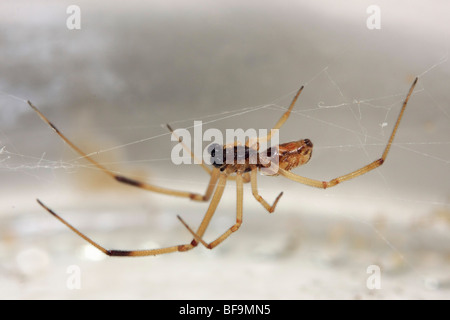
237,156
234,158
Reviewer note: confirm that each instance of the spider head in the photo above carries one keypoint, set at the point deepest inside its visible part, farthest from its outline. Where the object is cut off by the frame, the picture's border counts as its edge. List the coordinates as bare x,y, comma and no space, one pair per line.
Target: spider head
221,156
217,155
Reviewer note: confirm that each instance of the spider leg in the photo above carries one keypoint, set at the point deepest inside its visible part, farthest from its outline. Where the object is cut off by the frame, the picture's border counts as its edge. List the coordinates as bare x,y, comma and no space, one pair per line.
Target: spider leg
215,173
184,247
360,171
333,182
239,204
278,125
122,253
204,166
212,208
126,180
270,208
246,177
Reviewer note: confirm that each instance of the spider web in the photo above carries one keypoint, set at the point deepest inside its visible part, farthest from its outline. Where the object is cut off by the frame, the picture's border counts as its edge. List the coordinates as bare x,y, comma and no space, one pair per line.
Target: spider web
12,159
349,131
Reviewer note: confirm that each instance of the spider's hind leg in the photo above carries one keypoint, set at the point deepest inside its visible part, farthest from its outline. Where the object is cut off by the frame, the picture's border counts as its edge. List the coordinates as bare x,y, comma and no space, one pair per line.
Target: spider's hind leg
358,172
278,125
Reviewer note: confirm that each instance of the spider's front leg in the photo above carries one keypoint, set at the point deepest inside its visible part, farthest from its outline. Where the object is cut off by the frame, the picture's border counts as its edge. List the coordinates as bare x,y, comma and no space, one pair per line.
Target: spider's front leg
121,253
127,180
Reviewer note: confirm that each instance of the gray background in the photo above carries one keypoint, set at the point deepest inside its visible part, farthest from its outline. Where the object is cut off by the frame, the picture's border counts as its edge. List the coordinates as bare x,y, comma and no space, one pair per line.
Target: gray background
230,64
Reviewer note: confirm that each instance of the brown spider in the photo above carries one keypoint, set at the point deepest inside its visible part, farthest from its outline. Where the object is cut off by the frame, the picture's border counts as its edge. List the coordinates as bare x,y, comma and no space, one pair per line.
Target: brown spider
290,155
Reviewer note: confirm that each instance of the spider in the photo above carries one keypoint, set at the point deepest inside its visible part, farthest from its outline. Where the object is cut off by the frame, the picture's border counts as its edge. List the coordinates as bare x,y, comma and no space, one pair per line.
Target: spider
291,155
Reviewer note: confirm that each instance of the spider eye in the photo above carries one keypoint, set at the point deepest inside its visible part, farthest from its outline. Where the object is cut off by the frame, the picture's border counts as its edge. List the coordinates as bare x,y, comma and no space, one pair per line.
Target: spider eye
213,148
216,151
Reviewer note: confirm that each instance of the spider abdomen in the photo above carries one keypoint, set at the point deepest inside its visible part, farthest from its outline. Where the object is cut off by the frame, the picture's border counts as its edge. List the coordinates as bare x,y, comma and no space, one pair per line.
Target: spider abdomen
286,156
294,154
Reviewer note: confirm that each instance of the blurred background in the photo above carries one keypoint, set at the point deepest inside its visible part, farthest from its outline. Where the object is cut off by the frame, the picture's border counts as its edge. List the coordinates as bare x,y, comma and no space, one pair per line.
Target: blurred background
133,67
